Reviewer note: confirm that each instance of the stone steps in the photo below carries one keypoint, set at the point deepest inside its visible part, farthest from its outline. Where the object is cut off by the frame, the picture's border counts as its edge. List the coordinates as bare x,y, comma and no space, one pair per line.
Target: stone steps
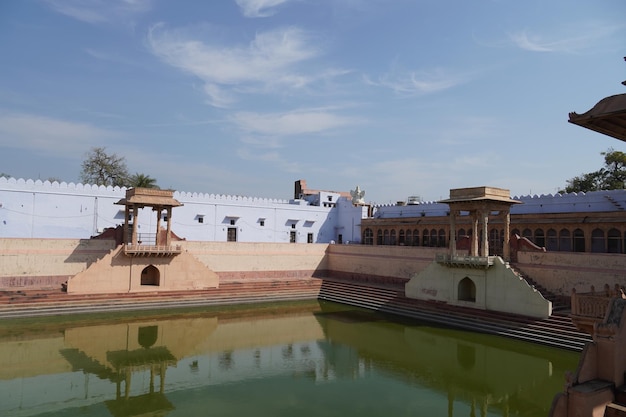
557,331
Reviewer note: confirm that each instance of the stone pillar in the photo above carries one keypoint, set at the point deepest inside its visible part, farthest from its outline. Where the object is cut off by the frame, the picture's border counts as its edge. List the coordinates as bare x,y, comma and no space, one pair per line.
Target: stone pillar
475,234
125,231
506,244
135,224
169,226
158,210
452,233
485,239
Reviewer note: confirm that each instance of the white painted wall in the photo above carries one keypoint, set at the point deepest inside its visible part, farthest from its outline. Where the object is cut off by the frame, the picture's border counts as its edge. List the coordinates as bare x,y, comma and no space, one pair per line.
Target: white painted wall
36,209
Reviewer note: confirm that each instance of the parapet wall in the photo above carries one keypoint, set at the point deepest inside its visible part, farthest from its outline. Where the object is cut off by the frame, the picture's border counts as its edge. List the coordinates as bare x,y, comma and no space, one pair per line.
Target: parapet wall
560,272
46,263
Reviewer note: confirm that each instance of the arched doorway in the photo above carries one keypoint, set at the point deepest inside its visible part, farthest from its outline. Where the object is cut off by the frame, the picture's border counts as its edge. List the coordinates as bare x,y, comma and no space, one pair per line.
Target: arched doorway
150,276
467,290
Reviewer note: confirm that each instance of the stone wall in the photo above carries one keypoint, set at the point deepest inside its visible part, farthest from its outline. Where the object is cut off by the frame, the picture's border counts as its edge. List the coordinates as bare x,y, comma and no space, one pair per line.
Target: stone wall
560,272
382,264
46,263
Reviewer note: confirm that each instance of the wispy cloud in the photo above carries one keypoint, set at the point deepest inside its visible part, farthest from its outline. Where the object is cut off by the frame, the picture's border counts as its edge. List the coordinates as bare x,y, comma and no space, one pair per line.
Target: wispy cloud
259,8
291,123
572,40
100,11
48,135
417,82
269,60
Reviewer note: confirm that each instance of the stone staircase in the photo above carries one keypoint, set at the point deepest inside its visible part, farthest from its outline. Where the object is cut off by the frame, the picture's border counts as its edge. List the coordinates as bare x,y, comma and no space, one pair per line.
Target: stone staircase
19,304
558,305
557,331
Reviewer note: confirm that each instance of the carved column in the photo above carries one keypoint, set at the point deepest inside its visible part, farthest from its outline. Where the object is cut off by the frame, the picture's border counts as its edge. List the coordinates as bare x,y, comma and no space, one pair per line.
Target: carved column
506,248
485,239
135,223
452,233
158,210
169,226
475,233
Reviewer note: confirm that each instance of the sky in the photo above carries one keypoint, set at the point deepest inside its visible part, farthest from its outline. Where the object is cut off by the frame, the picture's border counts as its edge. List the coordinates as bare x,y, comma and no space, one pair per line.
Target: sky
244,97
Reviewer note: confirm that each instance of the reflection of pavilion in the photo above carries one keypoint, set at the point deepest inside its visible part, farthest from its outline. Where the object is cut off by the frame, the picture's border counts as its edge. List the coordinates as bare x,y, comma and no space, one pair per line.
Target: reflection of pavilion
143,354
466,368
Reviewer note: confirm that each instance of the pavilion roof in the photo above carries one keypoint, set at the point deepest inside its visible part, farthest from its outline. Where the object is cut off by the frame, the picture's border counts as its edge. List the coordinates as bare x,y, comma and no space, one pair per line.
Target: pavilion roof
480,194
149,197
608,117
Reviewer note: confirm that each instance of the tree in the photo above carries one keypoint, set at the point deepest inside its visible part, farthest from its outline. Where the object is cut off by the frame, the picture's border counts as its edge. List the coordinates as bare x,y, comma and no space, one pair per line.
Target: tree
101,168
142,180
610,177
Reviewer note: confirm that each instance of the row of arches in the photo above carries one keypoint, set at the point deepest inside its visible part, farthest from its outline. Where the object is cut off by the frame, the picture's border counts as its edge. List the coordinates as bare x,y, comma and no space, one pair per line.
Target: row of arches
597,240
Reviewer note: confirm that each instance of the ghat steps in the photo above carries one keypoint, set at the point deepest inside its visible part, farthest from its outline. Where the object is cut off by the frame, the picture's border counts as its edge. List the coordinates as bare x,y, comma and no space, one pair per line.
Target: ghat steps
557,331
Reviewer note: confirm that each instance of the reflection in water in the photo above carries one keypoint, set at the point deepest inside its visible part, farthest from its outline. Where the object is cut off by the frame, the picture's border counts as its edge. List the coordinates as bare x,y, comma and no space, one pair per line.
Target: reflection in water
308,359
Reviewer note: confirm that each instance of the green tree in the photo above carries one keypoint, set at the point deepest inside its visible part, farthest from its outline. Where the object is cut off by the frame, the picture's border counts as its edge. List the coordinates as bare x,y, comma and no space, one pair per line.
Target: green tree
2,174
102,168
142,180
610,177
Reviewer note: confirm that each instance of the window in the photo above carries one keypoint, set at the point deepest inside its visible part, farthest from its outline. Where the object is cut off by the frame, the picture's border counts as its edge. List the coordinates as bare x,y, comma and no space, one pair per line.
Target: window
232,222
597,241
565,241
579,240
368,237
552,243
261,222
232,234
540,238
293,225
309,238
292,237
200,219
614,241
379,237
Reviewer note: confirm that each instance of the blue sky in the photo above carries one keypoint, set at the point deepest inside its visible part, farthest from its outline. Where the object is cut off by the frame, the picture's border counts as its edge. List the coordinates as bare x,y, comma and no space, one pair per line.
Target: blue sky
243,97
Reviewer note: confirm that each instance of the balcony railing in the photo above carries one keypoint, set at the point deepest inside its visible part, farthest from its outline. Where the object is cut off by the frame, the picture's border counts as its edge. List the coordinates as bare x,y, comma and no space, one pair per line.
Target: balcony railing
152,250
465,261
589,308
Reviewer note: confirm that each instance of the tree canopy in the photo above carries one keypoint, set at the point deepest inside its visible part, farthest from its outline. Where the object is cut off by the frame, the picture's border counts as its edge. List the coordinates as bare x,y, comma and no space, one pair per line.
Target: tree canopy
103,168
610,177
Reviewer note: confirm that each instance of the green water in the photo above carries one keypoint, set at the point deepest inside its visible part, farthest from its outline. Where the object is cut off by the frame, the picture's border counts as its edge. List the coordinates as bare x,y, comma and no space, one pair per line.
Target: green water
294,359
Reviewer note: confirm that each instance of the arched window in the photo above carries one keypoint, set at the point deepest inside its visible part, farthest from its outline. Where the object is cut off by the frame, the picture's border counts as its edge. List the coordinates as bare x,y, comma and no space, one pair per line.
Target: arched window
539,239
416,237
441,240
433,238
552,242
386,237
467,290
614,241
401,238
597,241
579,240
150,276
528,234
379,237
368,237
425,238
409,237
393,240
460,234
565,241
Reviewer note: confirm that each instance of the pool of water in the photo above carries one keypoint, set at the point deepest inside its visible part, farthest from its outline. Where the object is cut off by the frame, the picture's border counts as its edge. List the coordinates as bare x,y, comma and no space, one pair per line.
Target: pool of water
289,359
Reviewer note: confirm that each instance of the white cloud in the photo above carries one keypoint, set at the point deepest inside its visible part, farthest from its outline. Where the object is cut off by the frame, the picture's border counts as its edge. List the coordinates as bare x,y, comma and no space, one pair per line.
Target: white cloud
259,8
269,61
572,40
47,135
417,82
291,123
99,11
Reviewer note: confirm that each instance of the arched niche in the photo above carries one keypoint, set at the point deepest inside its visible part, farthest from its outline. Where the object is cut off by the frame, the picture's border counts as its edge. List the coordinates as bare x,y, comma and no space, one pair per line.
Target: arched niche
467,290
150,276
